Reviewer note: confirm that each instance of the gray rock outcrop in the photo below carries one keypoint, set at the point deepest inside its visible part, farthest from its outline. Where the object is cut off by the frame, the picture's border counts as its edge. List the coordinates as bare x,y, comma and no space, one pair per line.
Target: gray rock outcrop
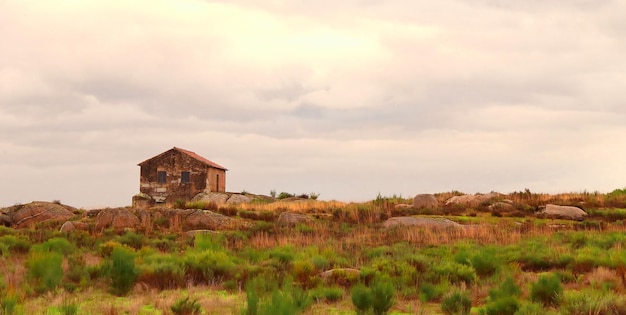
238,198
117,219
216,197
425,201
472,200
292,218
414,221
37,212
564,212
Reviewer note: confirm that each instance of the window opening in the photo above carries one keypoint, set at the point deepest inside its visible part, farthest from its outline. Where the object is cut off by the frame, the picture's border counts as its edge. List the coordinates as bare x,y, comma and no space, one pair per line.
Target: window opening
162,177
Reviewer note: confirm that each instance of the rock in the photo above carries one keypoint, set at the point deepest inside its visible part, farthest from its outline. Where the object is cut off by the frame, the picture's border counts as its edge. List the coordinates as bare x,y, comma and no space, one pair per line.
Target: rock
425,201
193,233
471,200
340,271
37,212
5,219
502,206
143,201
69,226
208,220
292,218
564,212
413,221
118,219
238,198
216,197
401,206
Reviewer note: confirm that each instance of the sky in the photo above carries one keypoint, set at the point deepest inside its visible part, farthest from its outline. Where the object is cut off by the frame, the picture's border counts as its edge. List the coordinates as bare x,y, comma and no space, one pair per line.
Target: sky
347,99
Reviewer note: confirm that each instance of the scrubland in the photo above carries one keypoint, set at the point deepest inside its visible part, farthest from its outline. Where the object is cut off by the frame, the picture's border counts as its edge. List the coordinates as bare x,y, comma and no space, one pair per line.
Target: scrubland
343,262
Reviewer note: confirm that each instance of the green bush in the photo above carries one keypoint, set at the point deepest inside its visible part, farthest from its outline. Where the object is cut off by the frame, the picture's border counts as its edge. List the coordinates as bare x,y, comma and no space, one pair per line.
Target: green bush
455,272
429,292
284,195
203,242
507,288
533,309
503,306
9,303
486,263
457,303
68,307
17,244
328,294
361,299
186,306
208,266
286,301
59,245
132,239
162,271
546,290
44,270
383,296
123,271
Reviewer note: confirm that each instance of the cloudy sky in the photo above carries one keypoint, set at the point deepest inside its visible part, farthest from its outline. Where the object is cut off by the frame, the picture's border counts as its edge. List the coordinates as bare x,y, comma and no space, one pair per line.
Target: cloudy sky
347,99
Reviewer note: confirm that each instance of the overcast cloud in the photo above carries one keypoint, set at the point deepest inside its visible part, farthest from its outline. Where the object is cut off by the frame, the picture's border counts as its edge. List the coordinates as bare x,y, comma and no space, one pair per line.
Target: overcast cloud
343,98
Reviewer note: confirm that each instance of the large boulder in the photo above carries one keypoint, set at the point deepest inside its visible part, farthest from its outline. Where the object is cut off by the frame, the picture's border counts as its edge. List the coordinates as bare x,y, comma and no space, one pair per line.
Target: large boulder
292,218
564,212
208,220
143,201
215,197
117,219
414,221
425,201
238,198
472,200
69,226
37,212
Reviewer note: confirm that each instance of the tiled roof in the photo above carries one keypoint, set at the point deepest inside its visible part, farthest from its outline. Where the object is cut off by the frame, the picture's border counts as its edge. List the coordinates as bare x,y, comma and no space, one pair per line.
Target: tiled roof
201,159
193,155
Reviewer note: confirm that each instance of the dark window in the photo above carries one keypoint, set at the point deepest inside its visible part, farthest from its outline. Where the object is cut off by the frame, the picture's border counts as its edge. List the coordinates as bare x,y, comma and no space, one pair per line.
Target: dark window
184,177
162,177
217,182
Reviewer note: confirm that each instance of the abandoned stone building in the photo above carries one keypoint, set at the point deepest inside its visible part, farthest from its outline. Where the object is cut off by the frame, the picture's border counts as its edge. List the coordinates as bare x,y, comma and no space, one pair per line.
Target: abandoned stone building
178,174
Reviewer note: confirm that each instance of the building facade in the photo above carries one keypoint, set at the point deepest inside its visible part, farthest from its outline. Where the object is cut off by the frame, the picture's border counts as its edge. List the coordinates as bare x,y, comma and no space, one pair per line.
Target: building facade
179,174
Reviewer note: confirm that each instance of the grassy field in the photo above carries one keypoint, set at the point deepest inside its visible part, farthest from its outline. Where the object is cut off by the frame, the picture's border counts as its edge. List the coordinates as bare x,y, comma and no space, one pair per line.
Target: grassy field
343,262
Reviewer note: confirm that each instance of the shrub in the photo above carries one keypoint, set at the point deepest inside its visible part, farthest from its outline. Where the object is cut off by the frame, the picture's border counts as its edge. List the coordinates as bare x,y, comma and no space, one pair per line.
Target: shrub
132,239
361,299
456,303
429,292
485,262
502,306
68,307
507,288
186,306
162,272
9,303
203,242
77,271
59,245
383,296
44,270
284,195
320,262
332,294
123,271
456,272
208,266
15,243
546,290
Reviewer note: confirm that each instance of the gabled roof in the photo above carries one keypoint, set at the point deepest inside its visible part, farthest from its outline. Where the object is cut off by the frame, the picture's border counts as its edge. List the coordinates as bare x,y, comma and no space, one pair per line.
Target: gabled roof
191,154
